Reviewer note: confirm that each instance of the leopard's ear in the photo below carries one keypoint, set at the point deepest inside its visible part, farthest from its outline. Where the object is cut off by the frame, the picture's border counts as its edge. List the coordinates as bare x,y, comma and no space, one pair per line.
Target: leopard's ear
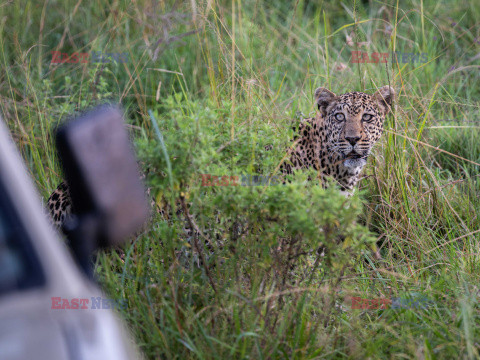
323,98
385,96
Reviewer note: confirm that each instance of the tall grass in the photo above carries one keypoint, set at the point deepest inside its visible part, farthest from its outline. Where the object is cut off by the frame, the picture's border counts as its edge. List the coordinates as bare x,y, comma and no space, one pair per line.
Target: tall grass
225,78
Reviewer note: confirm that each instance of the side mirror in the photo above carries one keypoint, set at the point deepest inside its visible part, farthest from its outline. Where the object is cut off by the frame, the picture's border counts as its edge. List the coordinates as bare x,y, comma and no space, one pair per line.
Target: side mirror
104,180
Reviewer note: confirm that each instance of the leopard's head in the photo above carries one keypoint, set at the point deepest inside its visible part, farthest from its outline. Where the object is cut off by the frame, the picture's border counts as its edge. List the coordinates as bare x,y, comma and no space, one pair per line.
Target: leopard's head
353,122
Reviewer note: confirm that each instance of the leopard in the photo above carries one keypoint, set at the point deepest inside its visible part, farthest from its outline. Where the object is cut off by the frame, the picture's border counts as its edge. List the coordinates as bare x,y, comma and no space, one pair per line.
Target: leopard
59,205
339,139
336,143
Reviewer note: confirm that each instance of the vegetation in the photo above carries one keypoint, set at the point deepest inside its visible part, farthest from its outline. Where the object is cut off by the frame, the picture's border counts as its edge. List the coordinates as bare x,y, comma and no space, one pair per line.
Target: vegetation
222,79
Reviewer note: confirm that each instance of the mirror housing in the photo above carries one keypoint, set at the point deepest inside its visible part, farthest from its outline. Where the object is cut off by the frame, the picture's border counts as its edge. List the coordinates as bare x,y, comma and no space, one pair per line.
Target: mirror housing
100,168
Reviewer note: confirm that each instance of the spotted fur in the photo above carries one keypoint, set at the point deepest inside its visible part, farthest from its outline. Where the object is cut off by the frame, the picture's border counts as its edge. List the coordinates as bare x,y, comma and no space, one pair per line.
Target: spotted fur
60,204
338,141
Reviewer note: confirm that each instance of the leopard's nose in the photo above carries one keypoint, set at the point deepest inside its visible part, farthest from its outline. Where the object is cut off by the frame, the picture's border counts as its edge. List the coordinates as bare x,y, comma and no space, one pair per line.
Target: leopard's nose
352,139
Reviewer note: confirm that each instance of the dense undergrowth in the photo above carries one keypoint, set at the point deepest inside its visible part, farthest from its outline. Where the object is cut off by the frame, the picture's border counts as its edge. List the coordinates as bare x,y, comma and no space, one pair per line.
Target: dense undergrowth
223,79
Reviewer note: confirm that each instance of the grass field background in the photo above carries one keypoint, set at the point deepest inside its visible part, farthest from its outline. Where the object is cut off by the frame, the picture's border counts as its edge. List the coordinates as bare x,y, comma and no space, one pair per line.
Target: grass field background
222,79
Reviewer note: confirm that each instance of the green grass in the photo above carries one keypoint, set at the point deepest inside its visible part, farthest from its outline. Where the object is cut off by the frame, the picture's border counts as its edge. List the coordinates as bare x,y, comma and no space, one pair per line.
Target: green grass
230,77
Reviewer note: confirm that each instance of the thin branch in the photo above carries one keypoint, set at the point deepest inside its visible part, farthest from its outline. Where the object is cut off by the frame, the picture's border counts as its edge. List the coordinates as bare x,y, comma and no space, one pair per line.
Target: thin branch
195,241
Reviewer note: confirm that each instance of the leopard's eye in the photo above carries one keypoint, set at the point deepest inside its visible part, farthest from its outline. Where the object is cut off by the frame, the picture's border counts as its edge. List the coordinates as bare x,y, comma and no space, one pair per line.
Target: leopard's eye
339,116
367,117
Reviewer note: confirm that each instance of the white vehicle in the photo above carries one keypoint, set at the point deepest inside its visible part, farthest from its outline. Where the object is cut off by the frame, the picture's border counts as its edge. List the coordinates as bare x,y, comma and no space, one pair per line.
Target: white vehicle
40,283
